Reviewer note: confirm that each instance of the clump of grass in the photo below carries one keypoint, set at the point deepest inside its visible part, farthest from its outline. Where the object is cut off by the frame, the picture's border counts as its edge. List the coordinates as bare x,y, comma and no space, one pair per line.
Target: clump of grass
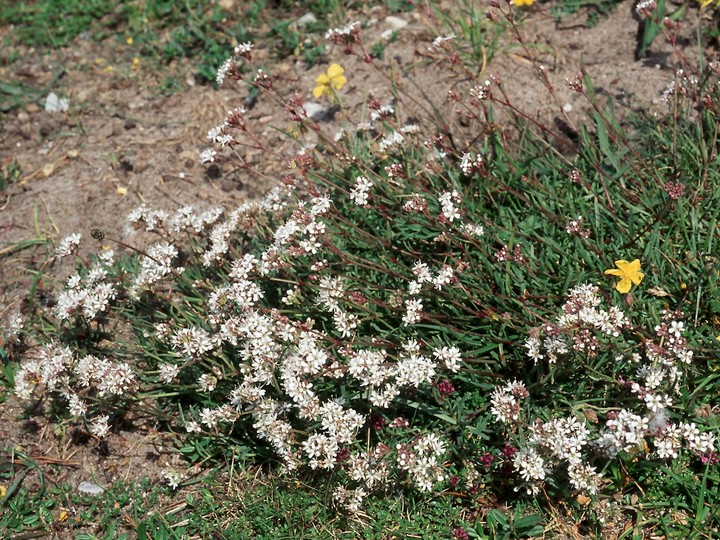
9,172
417,307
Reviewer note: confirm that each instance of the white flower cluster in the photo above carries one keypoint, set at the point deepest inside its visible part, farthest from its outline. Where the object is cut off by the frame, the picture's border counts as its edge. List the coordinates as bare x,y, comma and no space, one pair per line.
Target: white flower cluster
440,41
347,35
423,275
188,219
360,193
657,377
422,460
386,111
471,164
15,325
155,265
373,369
623,432
564,438
577,327
481,91
145,218
173,477
340,426
349,499
68,246
628,432
449,202
330,291
504,404
87,296
531,467
56,369
369,467
390,141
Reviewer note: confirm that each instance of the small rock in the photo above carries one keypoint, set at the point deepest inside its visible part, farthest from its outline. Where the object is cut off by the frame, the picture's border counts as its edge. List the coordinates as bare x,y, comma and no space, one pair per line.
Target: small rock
130,124
23,117
567,107
72,154
315,110
265,119
55,104
320,113
308,18
89,488
32,108
395,23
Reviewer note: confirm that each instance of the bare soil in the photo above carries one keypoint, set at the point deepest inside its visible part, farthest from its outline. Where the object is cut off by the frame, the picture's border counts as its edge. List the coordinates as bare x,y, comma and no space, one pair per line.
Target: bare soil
123,142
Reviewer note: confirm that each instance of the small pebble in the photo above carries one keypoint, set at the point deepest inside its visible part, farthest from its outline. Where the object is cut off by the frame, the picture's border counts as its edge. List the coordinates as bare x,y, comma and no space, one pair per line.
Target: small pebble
89,488
396,23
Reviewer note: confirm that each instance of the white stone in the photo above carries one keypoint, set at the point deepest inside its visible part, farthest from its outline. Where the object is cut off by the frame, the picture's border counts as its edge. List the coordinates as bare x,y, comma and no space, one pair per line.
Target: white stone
315,111
55,104
395,23
89,488
308,18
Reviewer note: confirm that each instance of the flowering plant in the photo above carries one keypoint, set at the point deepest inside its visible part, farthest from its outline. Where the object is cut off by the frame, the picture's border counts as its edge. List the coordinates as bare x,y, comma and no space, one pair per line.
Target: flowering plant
364,321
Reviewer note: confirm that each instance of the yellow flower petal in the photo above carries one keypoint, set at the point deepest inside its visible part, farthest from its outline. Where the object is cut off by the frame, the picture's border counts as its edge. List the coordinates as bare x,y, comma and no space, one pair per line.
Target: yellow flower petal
624,285
332,80
338,82
334,71
629,272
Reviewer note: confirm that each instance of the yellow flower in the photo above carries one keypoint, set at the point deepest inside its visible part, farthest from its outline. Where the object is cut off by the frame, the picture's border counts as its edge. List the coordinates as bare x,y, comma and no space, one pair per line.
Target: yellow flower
628,272
523,2
328,82
3,491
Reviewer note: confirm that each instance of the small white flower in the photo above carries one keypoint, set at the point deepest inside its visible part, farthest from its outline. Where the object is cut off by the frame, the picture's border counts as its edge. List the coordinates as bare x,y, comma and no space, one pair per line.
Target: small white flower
207,156
244,49
99,427
68,245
